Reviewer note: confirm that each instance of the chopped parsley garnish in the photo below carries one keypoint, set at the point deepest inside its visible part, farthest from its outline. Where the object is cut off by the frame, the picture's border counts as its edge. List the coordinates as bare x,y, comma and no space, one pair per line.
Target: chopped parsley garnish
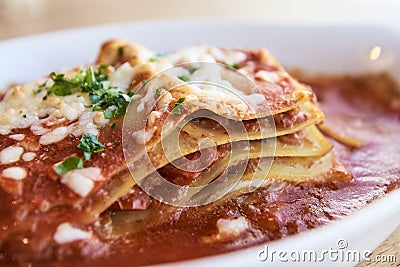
100,74
155,57
178,105
192,69
22,115
40,88
89,144
184,78
120,51
112,102
37,91
63,86
114,112
69,164
90,82
232,66
144,82
113,125
160,91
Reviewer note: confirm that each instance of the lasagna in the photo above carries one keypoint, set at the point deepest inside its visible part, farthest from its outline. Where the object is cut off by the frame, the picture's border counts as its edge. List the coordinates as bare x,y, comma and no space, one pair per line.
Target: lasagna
188,154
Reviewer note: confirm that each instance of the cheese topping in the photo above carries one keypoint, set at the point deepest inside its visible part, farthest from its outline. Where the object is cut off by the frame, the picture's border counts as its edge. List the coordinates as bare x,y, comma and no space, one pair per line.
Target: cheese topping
22,108
30,105
28,156
229,57
11,154
17,137
164,101
16,173
85,124
66,233
122,77
196,53
233,227
54,136
81,185
81,181
99,119
144,135
207,54
268,76
92,173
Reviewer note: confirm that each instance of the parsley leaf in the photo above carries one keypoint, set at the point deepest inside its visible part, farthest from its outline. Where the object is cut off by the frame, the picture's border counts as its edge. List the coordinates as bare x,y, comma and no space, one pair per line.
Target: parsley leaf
40,88
112,102
232,66
153,59
90,83
113,112
89,144
36,91
69,164
160,91
192,69
120,51
184,78
78,78
62,86
22,115
178,105
100,74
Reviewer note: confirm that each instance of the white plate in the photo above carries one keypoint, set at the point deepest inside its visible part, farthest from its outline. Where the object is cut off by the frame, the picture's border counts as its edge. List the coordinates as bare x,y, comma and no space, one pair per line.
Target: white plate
326,48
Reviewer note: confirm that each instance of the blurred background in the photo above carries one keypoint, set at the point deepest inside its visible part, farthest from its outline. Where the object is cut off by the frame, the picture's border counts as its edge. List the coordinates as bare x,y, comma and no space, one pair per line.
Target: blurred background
24,17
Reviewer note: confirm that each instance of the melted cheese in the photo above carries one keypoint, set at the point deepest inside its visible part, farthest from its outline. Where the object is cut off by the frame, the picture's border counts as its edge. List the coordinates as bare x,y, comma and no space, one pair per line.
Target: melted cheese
17,137
191,54
122,77
66,233
233,227
54,136
16,173
28,156
268,76
11,154
78,183
21,108
207,53
81,181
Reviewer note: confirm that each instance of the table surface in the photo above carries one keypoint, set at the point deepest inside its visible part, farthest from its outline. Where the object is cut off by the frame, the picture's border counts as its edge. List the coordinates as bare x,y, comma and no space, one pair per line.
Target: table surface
25,17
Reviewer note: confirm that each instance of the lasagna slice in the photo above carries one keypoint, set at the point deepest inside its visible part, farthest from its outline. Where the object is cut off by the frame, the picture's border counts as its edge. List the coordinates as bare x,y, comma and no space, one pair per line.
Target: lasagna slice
64,160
